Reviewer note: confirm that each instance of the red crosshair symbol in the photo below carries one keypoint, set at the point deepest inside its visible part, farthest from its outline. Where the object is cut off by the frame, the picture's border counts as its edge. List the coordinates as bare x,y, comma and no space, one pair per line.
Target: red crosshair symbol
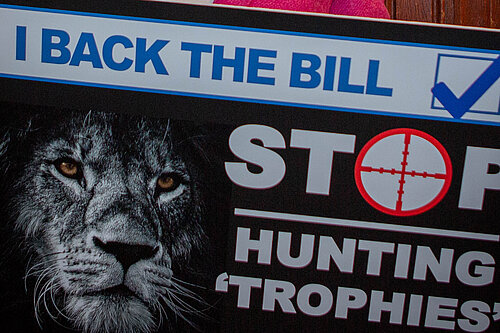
403,172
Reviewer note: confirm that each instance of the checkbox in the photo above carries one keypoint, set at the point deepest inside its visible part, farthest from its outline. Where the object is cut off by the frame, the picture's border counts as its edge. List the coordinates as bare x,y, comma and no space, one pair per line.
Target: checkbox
459,73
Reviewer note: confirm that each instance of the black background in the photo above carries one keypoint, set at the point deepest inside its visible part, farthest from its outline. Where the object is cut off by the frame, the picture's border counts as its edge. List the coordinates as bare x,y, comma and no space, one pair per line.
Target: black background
289,196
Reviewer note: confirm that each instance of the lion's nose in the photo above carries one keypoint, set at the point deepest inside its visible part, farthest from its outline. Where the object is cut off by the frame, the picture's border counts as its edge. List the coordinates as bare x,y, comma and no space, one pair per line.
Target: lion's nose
127,254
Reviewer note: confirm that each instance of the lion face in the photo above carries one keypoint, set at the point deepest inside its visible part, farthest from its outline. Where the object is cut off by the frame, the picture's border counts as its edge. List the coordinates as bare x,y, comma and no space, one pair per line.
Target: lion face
108,204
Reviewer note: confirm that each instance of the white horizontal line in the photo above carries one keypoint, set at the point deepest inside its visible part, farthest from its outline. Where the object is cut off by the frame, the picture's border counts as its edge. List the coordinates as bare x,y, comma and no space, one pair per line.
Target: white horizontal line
365,225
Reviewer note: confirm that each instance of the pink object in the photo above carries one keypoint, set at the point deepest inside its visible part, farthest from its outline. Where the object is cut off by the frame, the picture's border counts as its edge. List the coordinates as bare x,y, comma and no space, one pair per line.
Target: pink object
366,8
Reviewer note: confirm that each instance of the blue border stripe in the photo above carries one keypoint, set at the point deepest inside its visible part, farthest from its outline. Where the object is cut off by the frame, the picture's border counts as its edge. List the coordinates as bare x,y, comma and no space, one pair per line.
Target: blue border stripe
248,100
259,30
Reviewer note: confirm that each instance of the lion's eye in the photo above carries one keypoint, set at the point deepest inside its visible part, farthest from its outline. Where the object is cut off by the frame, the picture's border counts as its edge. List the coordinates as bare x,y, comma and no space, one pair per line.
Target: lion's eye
167,183
68,168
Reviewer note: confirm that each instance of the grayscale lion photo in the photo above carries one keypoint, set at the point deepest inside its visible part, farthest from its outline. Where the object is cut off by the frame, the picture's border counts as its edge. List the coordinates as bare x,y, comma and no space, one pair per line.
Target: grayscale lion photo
107,223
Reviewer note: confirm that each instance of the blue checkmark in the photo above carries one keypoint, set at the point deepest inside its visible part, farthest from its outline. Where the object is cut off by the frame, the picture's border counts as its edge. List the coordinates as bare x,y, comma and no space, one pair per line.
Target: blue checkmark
457,107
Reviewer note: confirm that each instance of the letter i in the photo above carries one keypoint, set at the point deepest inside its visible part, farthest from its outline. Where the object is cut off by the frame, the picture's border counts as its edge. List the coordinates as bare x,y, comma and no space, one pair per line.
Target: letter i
21,43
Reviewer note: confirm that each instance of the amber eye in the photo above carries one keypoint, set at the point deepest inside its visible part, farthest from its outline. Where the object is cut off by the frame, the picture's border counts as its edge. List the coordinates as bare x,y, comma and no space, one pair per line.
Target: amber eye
68,167
167,182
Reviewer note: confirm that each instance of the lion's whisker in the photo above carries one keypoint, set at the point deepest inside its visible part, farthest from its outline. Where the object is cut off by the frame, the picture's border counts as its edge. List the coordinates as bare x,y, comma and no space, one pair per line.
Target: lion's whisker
186,307
46,290
34,270
179,312
53,291
183,291
36,300
40,290
181,282
45,261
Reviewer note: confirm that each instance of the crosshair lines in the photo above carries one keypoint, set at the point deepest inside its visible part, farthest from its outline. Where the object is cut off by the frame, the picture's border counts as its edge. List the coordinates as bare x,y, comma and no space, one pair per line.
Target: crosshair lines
382,150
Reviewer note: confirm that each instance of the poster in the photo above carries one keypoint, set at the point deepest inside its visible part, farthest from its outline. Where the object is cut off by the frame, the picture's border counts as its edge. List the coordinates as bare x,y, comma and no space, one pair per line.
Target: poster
175,168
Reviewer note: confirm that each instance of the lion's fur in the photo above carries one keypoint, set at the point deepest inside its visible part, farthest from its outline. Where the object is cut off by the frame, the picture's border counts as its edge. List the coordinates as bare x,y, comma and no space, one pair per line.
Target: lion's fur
63,221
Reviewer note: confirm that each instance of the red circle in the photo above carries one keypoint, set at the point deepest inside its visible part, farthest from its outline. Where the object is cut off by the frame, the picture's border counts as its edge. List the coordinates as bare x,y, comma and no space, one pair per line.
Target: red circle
400,212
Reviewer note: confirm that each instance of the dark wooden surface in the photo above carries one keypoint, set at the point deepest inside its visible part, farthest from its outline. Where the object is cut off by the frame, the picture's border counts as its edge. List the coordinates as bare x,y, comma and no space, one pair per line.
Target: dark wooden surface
482,13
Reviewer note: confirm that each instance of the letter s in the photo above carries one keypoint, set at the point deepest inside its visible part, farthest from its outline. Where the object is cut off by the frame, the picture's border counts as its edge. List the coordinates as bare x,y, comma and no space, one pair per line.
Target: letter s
273,166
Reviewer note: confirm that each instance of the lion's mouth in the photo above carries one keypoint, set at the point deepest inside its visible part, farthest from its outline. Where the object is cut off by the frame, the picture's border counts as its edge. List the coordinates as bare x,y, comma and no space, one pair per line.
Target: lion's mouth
119,291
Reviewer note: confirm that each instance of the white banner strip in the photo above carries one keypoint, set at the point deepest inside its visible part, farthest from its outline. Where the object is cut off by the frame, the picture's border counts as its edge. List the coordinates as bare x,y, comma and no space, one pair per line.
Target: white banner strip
365,225
334,73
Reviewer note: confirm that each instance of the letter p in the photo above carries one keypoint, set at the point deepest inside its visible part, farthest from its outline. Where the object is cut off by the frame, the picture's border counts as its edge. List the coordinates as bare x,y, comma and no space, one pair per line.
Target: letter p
477,178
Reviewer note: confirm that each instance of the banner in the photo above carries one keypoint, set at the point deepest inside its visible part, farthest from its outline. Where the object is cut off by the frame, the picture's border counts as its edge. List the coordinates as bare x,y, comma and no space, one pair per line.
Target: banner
180,168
